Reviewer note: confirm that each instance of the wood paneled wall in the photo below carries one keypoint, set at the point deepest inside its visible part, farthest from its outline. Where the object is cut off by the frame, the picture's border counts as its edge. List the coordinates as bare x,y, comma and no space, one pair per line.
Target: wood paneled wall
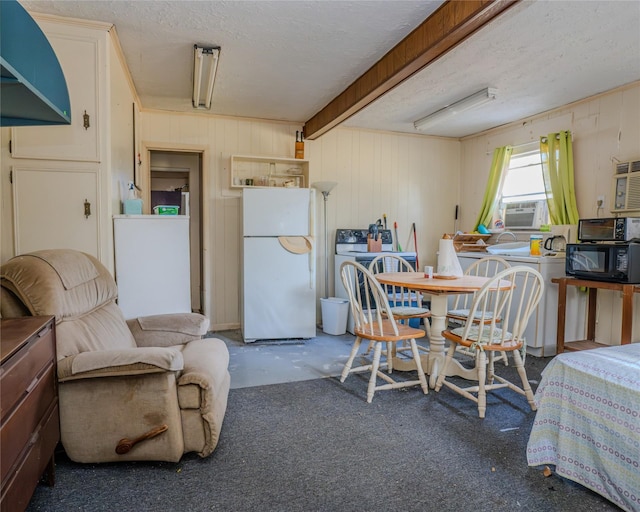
606,129
410,178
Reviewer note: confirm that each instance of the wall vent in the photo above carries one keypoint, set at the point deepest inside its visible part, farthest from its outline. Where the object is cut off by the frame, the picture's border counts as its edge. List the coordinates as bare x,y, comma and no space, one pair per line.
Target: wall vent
626,187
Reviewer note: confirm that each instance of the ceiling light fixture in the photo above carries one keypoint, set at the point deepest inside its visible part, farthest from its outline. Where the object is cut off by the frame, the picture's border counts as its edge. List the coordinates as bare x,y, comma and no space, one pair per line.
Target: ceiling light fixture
476,99
205,65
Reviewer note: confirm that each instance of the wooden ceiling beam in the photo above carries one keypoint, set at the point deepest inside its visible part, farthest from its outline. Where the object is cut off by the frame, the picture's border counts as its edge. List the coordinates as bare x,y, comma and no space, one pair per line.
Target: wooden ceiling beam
448,26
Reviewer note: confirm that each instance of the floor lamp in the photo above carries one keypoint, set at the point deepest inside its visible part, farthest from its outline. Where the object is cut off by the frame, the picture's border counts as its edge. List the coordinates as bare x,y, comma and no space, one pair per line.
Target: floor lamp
325,187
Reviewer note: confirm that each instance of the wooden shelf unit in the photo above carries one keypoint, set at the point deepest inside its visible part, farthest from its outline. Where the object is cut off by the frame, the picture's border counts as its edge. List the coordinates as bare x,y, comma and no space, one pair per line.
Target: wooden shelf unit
268,171
627,290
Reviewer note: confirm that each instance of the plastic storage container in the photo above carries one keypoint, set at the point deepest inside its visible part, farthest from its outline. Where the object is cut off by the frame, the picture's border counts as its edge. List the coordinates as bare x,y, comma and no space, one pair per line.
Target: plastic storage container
132,207
334,315
535,245
162,209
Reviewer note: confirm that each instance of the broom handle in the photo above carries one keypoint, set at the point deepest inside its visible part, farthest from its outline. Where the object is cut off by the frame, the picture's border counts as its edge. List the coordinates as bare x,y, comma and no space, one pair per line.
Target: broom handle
415,244
395,232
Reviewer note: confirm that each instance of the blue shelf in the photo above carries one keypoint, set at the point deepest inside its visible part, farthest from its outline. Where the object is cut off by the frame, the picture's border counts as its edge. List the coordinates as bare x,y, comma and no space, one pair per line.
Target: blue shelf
33,90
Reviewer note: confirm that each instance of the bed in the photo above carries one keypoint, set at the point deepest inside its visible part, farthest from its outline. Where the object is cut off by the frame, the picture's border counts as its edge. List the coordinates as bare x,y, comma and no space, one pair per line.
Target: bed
588,421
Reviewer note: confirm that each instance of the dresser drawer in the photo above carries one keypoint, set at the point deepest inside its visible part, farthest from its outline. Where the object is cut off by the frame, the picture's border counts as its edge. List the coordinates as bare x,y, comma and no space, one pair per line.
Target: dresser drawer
29,420
17,490
19,426
22,370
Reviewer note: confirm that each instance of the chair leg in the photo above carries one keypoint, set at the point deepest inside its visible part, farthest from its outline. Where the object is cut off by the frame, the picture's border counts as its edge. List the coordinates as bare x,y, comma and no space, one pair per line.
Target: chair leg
447,360
374,371
526,387
416,358
352,356
502,356
481,366
491,367
369,347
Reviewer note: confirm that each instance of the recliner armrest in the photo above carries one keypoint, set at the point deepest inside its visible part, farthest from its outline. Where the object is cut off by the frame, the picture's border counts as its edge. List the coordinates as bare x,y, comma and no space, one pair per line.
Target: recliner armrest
168,330
108,363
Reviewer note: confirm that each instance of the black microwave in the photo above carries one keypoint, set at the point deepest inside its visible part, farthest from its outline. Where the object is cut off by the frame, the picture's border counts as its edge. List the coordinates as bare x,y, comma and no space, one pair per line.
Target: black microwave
616,263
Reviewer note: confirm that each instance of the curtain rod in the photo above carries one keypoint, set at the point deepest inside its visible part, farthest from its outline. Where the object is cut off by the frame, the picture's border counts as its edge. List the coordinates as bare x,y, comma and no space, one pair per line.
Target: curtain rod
515,146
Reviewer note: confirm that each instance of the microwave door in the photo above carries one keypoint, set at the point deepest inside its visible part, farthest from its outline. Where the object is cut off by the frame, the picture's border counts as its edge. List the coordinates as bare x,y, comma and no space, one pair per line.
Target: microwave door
588,262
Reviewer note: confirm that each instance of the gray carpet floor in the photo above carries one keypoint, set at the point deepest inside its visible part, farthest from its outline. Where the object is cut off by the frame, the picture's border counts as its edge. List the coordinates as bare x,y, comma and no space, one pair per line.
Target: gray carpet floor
316,445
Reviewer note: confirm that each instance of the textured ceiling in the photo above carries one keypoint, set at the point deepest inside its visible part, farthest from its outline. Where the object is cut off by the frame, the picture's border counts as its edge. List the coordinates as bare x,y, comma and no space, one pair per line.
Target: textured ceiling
285,60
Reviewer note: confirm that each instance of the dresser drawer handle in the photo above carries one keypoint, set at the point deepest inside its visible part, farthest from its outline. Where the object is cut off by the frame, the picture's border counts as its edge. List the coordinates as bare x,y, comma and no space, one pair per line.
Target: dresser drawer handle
44,332
32,385
34,437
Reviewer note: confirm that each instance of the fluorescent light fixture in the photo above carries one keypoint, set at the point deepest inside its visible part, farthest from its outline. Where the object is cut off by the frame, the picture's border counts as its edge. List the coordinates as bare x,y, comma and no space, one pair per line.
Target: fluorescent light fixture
479,98
205,65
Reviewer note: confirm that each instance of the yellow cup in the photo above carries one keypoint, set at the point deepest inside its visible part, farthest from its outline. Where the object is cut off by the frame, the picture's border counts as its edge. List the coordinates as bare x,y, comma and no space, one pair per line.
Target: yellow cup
535,245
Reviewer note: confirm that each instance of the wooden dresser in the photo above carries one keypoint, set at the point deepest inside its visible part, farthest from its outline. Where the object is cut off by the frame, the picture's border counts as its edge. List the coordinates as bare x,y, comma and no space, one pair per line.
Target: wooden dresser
30,424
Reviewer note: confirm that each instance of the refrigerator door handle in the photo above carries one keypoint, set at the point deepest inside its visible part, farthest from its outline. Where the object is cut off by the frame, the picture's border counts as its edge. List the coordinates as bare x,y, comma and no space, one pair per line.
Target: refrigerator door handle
312,261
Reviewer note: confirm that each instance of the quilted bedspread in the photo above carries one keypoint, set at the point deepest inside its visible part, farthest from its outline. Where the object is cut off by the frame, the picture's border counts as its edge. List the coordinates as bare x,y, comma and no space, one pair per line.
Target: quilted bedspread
588,421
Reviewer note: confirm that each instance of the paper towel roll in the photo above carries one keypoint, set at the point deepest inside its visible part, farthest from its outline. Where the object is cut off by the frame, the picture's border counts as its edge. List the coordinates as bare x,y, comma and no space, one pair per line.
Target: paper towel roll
448,264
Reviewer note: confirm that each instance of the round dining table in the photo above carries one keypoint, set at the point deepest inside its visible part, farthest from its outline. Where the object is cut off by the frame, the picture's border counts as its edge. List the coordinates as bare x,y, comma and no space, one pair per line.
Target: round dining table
439,288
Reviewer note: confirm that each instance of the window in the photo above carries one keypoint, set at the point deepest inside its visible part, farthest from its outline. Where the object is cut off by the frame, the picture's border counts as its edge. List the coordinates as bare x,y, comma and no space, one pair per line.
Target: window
523,181
522,198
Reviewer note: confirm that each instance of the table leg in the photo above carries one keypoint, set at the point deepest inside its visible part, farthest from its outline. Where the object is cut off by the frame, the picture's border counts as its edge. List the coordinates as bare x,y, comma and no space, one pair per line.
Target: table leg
562,315
436,344
591,314
436,340
627,314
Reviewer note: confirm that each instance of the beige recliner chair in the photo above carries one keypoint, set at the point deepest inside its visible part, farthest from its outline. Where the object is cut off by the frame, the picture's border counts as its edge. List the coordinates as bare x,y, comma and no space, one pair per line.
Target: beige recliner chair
152,379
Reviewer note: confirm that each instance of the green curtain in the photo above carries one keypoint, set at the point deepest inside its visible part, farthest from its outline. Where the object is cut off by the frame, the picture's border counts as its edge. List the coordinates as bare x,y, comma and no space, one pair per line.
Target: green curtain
499,165
556,152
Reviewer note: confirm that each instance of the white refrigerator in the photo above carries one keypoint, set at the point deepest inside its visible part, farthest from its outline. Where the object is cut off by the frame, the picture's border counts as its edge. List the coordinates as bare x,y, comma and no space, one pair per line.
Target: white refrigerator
278,264
152,263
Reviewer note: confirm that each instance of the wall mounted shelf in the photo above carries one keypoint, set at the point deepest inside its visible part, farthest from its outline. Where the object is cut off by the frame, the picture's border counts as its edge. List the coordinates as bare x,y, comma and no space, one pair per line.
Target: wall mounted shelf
268,171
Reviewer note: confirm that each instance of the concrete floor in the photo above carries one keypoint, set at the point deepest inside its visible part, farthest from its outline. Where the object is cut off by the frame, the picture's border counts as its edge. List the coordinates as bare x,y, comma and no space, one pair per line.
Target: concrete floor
277,361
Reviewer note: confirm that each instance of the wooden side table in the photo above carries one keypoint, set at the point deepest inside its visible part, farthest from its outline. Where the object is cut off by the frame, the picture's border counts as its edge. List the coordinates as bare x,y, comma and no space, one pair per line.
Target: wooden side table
30,422
593,286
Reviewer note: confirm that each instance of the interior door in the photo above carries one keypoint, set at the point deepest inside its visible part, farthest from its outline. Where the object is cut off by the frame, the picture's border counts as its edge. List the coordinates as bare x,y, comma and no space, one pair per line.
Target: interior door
171,170
50,212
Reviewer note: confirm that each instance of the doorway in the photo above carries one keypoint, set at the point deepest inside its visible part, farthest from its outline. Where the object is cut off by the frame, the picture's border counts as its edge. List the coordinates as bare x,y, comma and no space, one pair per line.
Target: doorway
175,179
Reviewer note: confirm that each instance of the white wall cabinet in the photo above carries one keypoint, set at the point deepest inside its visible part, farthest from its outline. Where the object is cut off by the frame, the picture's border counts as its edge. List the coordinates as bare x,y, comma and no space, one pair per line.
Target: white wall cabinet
82,55
55,210
57,169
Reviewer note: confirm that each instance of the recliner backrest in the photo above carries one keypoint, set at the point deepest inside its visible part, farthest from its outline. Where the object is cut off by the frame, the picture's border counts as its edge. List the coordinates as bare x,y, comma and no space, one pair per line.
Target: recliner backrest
75,288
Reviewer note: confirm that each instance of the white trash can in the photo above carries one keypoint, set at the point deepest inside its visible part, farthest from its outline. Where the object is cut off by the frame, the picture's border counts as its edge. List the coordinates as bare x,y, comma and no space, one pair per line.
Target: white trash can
334,315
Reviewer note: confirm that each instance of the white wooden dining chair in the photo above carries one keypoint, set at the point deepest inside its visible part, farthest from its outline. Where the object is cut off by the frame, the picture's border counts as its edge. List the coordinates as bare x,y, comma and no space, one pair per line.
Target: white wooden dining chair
488,336
374,321
488,266
405,304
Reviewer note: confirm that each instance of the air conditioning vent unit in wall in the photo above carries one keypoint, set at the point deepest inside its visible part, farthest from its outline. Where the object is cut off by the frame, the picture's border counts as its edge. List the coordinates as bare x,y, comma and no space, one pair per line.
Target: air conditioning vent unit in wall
626,187
525,215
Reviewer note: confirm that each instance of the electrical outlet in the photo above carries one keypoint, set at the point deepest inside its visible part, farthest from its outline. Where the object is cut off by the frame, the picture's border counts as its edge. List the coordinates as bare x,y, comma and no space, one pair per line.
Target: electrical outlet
600,202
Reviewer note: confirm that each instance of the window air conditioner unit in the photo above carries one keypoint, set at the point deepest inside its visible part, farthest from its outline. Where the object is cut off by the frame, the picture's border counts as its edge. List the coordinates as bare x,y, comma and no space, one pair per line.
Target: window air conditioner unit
524,215
626,187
